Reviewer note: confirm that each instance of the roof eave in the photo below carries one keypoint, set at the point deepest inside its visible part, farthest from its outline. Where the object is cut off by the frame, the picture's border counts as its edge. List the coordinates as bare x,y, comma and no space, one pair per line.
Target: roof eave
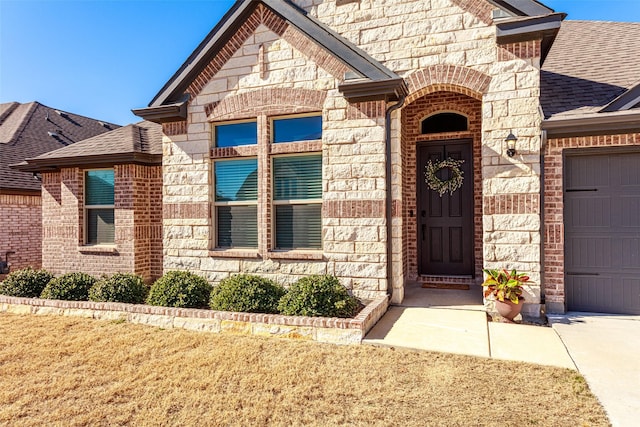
534,28
53,164
20,191
593,124
164,113
362,90
544,28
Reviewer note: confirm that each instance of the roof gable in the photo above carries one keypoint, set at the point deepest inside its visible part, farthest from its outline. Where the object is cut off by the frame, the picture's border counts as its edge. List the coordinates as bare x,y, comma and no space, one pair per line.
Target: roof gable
234,29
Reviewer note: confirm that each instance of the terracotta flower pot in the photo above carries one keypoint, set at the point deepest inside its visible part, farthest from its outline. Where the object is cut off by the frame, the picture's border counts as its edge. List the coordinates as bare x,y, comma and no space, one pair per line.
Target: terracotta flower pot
508,310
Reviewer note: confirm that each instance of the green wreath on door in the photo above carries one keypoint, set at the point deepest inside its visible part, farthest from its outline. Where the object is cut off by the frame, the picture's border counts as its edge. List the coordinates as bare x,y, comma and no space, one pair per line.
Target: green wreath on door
442,186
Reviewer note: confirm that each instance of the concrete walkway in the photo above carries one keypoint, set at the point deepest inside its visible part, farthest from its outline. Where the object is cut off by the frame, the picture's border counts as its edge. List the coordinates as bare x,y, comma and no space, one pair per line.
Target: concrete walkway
606,350
453,321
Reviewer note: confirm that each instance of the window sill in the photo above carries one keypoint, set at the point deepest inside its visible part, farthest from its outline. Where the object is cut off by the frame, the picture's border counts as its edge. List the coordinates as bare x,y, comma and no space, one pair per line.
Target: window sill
234,253
308,255
98,249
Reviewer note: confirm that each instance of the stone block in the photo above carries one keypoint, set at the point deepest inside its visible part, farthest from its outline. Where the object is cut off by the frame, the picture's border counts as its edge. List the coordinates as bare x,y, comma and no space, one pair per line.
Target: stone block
521,253
78,312
283,331
338,336
195,324
160,321
523,222
234,327
220,265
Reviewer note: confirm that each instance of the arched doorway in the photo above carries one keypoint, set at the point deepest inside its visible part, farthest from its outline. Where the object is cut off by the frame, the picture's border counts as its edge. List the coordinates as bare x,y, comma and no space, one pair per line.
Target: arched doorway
442,230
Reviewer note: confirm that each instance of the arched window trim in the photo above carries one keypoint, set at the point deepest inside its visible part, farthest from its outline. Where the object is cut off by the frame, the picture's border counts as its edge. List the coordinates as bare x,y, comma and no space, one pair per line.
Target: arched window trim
436,113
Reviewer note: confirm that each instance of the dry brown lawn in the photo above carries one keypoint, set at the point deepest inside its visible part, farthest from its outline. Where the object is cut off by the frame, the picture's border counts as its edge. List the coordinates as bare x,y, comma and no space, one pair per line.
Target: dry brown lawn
71,372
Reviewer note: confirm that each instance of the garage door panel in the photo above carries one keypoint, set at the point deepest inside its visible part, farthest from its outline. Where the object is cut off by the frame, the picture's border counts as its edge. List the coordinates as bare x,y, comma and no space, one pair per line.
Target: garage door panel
630,211
609,294
586,254
579,174
631,292
589,212
602,232
629,172
630,253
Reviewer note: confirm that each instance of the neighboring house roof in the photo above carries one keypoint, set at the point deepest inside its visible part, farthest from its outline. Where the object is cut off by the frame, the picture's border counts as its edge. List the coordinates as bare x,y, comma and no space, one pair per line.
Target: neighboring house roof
28,130
590,82
590,65
169,103
139,143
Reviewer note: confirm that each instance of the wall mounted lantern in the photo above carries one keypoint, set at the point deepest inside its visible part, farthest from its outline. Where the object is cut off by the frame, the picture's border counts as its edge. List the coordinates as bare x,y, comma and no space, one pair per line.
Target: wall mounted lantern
511,144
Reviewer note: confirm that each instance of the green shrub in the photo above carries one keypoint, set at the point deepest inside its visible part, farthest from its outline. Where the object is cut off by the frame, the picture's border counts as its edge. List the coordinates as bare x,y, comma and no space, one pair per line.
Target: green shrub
318,296
27,283
180,289
70,287
121,287
246,293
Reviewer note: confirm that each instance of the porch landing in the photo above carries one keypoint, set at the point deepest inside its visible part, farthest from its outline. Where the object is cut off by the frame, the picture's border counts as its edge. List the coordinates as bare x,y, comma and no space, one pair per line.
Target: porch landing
454,321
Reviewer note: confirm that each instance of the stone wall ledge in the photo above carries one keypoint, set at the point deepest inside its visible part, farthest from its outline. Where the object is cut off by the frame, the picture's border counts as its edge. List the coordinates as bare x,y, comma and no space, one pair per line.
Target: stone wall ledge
322,329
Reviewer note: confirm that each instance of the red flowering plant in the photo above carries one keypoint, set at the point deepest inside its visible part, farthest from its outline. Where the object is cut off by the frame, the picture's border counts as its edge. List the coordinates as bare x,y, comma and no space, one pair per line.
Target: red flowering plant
503,284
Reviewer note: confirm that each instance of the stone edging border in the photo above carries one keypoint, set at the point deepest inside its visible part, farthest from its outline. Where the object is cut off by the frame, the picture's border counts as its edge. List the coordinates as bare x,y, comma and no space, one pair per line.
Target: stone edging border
321,329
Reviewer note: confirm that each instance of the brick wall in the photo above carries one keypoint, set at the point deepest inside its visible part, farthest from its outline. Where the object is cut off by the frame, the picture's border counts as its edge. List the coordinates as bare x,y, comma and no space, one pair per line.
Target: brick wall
20,230
554,207
138,216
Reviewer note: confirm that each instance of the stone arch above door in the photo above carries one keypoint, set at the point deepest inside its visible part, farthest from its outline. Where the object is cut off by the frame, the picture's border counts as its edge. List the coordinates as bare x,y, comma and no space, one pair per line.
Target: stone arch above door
447,78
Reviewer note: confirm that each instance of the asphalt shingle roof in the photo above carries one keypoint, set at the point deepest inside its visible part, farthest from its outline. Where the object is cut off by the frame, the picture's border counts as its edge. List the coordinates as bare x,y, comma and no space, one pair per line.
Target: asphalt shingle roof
143,137
590,64
24,133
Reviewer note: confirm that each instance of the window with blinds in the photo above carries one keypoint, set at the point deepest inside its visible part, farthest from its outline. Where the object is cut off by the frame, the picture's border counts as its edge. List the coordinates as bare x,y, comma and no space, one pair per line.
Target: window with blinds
99,206
236,203
297,201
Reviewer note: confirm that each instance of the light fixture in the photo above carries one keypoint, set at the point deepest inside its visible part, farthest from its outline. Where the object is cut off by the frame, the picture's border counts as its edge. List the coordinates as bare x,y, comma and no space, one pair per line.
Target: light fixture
511,144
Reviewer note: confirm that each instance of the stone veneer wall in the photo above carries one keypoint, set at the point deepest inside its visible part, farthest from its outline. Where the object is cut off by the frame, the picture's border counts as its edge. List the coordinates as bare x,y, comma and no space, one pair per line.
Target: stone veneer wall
436,46
138,234
21,230
275,70
554,208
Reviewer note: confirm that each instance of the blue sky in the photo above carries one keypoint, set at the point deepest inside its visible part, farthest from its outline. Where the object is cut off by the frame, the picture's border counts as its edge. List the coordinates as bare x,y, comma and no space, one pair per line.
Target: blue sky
101,58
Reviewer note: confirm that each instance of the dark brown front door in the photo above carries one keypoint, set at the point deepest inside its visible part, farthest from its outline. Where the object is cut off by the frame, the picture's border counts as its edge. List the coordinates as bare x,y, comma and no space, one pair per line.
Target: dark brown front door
445,224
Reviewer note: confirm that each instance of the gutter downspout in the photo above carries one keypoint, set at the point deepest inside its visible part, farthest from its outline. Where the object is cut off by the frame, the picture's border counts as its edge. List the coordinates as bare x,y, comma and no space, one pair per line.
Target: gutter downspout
543,148
389,204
